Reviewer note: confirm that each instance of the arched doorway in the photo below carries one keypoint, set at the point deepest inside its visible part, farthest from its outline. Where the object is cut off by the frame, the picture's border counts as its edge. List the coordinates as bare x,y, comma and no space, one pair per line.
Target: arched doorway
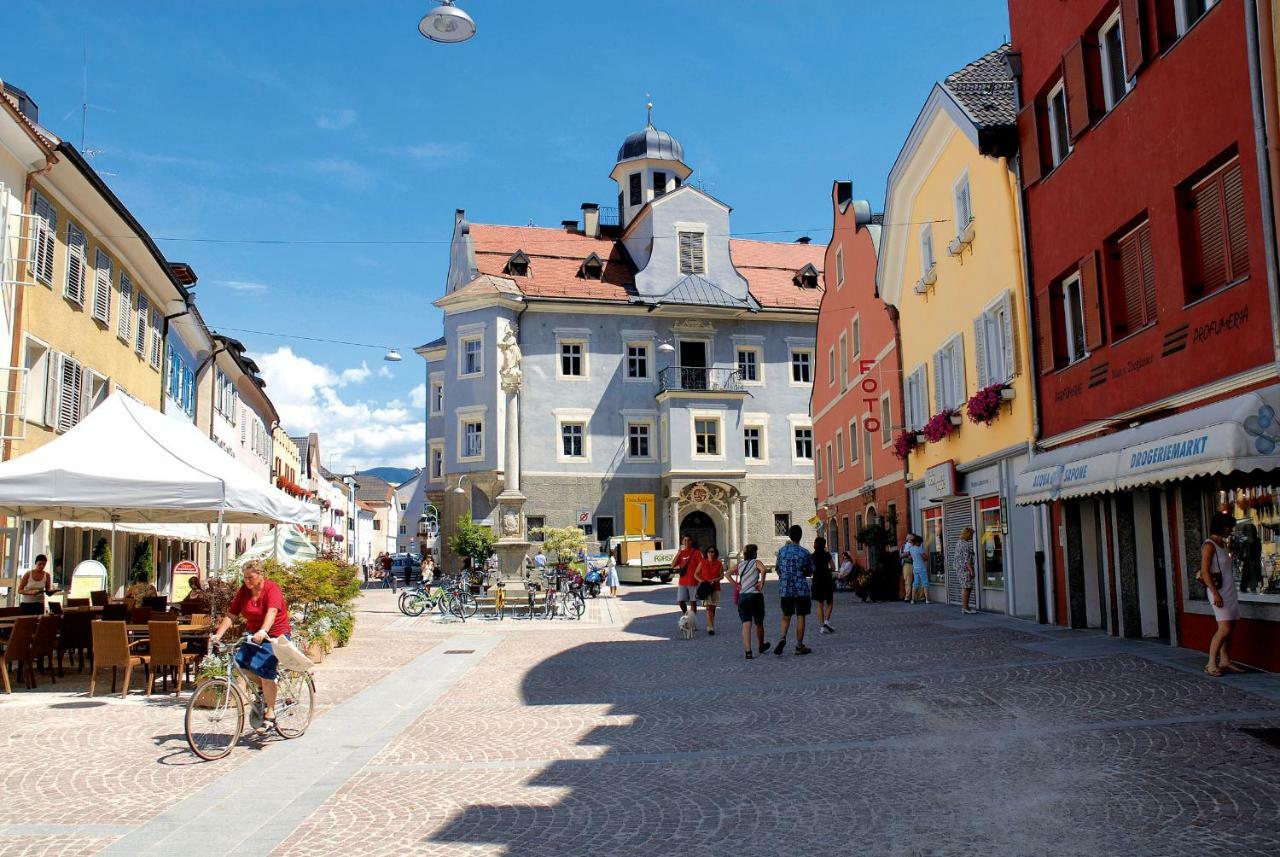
700,526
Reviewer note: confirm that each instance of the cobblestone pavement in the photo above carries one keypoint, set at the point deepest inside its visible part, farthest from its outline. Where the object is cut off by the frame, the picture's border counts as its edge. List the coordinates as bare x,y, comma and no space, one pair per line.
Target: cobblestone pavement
913,730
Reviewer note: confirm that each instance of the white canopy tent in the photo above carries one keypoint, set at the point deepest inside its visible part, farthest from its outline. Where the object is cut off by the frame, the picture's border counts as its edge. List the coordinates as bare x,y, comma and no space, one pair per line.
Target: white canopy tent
128,463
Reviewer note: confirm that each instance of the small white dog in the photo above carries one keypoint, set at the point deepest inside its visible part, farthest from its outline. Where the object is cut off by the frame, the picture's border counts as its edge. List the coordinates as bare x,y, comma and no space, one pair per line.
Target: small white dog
686,626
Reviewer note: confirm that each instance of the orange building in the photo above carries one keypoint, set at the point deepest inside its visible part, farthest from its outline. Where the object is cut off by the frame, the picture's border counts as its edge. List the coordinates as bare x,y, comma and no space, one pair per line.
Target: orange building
857,388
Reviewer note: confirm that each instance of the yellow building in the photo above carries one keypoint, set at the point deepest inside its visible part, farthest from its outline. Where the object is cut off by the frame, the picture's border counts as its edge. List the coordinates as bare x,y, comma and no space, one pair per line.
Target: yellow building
89,319
287,462
951,262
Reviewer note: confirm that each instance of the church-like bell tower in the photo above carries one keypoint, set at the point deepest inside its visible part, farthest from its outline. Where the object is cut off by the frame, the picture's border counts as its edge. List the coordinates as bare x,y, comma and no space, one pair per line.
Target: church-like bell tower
650,165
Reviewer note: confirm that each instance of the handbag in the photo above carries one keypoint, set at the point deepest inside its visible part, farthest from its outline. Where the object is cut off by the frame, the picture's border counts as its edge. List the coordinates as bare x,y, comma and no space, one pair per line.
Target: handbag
704,590
289,656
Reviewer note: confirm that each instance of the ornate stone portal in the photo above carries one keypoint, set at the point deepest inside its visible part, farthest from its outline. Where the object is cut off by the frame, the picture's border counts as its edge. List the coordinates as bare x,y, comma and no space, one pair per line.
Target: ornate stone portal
512,544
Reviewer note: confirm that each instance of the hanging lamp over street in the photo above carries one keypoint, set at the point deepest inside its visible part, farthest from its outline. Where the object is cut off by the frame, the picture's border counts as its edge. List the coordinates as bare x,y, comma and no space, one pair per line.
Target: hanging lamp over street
447,24
392,356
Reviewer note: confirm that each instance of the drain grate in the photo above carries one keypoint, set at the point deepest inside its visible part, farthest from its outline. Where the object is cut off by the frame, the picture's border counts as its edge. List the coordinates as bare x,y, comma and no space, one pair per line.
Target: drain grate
459,651
1270,737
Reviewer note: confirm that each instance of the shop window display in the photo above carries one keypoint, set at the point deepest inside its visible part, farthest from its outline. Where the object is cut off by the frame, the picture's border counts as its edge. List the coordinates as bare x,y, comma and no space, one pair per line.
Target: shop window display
991,552
933,546
1255,544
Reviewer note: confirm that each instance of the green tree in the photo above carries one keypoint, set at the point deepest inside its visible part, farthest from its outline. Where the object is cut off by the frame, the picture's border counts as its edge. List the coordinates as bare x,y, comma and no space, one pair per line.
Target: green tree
102,553
472,540
144,564
562,542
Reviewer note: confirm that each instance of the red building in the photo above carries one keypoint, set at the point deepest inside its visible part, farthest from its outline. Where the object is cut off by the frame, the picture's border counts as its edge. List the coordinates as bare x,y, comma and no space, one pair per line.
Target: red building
1155,314
857,391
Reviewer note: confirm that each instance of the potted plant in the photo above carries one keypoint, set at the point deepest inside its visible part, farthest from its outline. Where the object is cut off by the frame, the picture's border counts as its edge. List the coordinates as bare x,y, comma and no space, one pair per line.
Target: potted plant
985,404
941,425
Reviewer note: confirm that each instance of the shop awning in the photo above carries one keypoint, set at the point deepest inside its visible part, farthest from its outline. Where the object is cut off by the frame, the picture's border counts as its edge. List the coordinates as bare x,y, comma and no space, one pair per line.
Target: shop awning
1237,434
179,532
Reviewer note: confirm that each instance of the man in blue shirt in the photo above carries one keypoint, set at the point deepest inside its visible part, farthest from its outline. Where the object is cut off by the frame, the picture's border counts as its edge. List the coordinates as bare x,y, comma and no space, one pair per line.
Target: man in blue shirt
795,567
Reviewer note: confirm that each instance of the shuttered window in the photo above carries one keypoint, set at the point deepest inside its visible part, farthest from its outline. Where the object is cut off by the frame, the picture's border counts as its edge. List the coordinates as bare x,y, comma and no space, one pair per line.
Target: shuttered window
917,403
994,345
1059,139
659,184
1220,229
693,253
46,227
140,332
636,189
963,203
1133,304
124,327
70,393
77,261
102,287
157,340
948,375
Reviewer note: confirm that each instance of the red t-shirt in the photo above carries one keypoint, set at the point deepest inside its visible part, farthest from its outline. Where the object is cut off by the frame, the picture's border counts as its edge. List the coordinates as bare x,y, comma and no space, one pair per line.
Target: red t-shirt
709,570
687,560
255,610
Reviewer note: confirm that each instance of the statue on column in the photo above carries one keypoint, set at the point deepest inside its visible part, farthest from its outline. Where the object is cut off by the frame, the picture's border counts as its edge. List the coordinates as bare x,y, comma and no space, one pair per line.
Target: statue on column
511,373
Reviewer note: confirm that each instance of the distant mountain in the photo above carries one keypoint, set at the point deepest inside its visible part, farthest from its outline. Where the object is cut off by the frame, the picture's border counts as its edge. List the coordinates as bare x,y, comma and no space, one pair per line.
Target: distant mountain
394,475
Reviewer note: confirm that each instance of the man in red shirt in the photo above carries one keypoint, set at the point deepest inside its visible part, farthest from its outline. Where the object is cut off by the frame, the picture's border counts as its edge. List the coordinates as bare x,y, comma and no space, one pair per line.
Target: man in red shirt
686,561
261,603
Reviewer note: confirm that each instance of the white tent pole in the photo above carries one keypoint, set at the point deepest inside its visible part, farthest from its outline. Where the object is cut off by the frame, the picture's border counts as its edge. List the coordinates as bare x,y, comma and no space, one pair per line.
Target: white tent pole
115,559
275,541
14,571
217,546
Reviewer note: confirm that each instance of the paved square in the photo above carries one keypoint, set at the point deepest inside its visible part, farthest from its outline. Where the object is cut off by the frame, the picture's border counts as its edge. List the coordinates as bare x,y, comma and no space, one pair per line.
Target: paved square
913,730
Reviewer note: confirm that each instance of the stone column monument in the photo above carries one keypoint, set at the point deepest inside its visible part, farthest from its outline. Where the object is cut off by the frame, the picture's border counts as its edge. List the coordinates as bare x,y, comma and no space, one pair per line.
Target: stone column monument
512,544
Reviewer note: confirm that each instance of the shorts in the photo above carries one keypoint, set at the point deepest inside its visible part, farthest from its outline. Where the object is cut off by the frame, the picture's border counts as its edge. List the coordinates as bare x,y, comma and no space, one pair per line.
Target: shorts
823,593
687,593
920,578
796,606
258,659
713,600
751,608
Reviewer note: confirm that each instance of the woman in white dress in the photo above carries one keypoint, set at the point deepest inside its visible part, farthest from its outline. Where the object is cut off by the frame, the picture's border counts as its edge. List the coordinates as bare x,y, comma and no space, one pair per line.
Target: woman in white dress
1219,579
611,577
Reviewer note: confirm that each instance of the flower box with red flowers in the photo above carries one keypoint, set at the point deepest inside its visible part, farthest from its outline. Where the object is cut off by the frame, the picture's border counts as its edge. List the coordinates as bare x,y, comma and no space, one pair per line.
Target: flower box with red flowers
985,404
903,443
940,426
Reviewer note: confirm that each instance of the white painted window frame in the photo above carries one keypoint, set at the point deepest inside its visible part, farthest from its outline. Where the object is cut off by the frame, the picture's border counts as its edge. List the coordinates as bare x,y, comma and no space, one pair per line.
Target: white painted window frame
1110,99
1051,111
698,415
759,422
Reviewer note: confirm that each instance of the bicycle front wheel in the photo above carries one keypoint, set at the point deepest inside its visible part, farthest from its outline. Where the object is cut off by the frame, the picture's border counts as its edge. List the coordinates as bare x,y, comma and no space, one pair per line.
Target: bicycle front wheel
295,703
574,604
414,605
215,718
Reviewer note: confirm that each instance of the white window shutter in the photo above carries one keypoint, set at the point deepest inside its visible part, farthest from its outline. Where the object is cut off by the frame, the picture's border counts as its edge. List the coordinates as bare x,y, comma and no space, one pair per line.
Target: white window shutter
140,337
1010,343
102,287
76,258
52,386
46,229
980,350
70,394
959,393
157,342
124,328
940,391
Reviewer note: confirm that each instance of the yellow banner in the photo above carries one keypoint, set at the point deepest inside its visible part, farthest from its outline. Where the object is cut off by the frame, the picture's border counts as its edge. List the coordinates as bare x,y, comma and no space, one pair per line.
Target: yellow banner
639,515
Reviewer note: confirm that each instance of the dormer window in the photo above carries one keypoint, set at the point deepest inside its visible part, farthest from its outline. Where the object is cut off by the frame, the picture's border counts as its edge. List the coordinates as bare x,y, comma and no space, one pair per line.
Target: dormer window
592,268
693,252
518,264
806,277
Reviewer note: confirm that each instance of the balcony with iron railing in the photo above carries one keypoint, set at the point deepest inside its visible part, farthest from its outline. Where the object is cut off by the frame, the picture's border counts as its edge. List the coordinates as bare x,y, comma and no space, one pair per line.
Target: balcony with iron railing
699,379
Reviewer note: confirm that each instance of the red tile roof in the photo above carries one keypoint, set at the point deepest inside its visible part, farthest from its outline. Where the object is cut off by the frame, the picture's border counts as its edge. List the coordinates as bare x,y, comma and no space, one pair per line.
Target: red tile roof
556,256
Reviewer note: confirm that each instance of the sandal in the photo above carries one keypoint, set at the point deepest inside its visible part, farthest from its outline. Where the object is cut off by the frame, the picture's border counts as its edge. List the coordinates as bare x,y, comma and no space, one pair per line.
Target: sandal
1232,668
749,656
1213,672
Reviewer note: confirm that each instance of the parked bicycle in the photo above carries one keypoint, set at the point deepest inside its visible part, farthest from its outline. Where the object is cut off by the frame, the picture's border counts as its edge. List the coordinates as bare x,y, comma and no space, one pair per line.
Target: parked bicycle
218,708
564,594
447,598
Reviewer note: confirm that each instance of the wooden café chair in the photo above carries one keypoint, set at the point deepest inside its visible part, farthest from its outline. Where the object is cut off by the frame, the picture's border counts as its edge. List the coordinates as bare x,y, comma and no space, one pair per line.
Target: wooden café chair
76,637
111,649
156,603
99,598
75,603
139,615
18,651
167,655
45,644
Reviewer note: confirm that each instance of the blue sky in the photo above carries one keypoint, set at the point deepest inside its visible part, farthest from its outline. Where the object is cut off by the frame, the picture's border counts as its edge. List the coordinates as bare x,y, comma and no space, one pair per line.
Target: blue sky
336,122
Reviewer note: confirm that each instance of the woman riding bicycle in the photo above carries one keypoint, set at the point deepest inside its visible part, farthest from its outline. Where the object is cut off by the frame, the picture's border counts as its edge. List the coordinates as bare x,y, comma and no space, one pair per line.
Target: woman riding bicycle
261,603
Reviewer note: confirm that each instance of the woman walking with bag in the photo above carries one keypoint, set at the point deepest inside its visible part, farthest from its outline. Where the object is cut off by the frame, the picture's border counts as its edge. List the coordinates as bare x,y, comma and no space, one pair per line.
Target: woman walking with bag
962,563
710,571
1219,579
748,586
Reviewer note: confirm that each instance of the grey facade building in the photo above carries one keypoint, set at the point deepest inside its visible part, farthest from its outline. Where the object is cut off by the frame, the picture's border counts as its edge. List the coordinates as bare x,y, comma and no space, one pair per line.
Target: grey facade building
665,368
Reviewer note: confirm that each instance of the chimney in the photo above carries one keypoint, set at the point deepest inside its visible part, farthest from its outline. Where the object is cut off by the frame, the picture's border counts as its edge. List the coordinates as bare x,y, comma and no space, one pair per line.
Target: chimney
591,220
570,226
803,239
844,193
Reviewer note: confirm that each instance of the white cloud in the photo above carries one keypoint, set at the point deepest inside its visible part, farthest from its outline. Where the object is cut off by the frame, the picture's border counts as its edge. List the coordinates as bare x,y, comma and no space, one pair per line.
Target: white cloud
385,372
354,433
418,396
242,286
331,119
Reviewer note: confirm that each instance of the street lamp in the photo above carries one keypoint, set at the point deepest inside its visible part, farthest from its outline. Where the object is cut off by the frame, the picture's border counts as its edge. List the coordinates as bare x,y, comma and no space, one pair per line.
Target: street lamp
392,356
447,24
457,489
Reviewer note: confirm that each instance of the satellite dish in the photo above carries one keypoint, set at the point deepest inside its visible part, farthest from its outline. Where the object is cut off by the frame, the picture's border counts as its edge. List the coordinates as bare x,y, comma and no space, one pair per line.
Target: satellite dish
447,24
